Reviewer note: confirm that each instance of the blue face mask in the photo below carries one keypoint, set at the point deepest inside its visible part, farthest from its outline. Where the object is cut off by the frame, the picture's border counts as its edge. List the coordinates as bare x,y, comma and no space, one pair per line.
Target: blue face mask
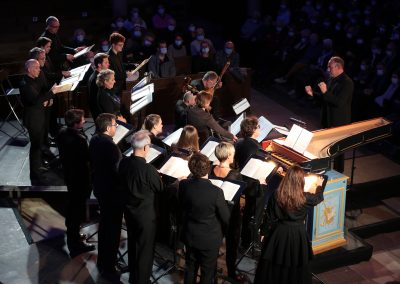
200,37
104,47
163,50
205,50
228,51
147,42
80,38
171,28
178,42
137,33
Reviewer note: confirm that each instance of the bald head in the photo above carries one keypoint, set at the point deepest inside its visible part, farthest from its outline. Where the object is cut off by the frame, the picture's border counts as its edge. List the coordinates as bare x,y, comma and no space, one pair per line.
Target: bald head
32,68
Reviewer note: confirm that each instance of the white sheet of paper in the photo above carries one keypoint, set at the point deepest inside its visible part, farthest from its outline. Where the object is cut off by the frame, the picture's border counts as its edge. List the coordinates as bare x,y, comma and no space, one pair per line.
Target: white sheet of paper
120,133
241,106
228,188
282,130
265,128
152,154
234,128
141,84
298,138
140,93
209,149
139,104
80,69
175,167
258,169
83,51
64,87
173,137
310,182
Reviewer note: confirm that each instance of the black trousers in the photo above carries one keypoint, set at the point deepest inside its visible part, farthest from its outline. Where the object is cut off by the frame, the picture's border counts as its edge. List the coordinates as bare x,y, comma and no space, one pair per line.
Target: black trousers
35,123
252,216
206,260
141,241
75,212
232,239
111,212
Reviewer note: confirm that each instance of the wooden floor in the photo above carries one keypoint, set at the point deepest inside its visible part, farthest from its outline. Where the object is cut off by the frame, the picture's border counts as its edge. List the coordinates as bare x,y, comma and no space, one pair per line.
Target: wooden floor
46,260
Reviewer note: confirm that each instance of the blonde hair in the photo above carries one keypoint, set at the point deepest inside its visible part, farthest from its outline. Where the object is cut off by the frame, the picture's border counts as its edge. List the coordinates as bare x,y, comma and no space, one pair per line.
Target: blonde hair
223,150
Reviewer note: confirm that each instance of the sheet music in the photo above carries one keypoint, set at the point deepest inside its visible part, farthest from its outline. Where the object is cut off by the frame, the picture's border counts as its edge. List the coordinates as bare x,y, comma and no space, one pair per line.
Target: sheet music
175,167
282,130
140,84
120,133
64,87
258,169
80,69
140,93
310,182
229,188
265,128
173,137
241,106
298,138
234,128
83,51
132,76
209,149
153,153
139,104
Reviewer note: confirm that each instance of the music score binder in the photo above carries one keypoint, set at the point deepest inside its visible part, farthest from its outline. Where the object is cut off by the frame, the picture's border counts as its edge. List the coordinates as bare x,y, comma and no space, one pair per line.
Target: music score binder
209,148
234,128
154,153
175,167
241,106
232,189
259,168
173,137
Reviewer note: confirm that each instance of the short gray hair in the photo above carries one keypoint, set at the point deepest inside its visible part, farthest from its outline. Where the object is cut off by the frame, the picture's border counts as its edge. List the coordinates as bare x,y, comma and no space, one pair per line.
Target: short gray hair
29,63
140,139
103,76
51,20
187,96
222,151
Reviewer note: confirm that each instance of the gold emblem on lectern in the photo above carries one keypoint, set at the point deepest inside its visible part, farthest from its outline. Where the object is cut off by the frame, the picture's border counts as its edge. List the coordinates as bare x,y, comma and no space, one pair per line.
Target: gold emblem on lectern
328,216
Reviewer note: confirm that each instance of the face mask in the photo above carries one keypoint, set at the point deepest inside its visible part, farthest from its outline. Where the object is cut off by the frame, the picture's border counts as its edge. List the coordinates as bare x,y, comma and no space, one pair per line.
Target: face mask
205,50
303,39
360,41
135,15
137,33
163,50
178,42
363,67
291,34
147,42
338,27
389,52
120,24
80,38
379,72
395,36
161,11
349,35
104,47
171,28
376,51
192,28
339,15
367,22
395,80
278,29
200,37
228,51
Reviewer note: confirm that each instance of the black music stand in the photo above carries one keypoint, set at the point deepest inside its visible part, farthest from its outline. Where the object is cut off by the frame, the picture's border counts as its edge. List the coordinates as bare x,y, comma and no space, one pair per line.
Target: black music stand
13,92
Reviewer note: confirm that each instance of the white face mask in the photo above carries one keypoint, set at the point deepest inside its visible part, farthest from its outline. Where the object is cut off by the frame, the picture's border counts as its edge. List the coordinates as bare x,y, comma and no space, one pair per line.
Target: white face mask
205,50
80,38
163,50
395,80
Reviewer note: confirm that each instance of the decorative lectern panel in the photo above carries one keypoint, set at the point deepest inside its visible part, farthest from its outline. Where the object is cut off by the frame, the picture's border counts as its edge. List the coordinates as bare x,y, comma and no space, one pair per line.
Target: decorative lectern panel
325,223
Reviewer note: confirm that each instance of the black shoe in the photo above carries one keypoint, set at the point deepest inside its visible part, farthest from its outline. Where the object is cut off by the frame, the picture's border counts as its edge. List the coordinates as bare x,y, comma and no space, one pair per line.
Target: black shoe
79,248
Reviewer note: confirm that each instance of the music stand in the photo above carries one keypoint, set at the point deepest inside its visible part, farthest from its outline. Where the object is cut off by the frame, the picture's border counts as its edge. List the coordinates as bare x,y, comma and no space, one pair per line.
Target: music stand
142,98
12,112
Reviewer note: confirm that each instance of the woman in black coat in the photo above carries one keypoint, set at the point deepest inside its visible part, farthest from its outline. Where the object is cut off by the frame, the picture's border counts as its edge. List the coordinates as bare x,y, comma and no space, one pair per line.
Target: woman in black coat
286,249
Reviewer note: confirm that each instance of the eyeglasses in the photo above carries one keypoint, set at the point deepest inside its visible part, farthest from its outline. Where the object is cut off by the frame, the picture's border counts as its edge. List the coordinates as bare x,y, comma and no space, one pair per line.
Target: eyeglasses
258,126
116,124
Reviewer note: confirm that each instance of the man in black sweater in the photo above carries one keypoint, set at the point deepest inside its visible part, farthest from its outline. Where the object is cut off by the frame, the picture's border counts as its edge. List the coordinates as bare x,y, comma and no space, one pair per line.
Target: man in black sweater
205,219
105,157
140,182
74,156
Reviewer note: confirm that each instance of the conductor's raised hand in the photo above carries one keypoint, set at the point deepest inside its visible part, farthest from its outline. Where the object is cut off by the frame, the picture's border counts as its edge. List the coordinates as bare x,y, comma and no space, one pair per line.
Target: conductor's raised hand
309,90
322,86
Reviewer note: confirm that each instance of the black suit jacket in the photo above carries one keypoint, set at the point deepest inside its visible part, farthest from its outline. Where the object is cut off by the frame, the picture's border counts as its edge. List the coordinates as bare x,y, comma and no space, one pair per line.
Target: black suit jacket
336,110
139,182
244,148
58,51
181,110
75,159
117,65
108,102
93,90
204,121
205,213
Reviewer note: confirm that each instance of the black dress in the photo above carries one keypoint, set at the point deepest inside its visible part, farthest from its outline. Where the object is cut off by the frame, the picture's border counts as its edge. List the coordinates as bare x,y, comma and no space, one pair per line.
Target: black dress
286,250
235,221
